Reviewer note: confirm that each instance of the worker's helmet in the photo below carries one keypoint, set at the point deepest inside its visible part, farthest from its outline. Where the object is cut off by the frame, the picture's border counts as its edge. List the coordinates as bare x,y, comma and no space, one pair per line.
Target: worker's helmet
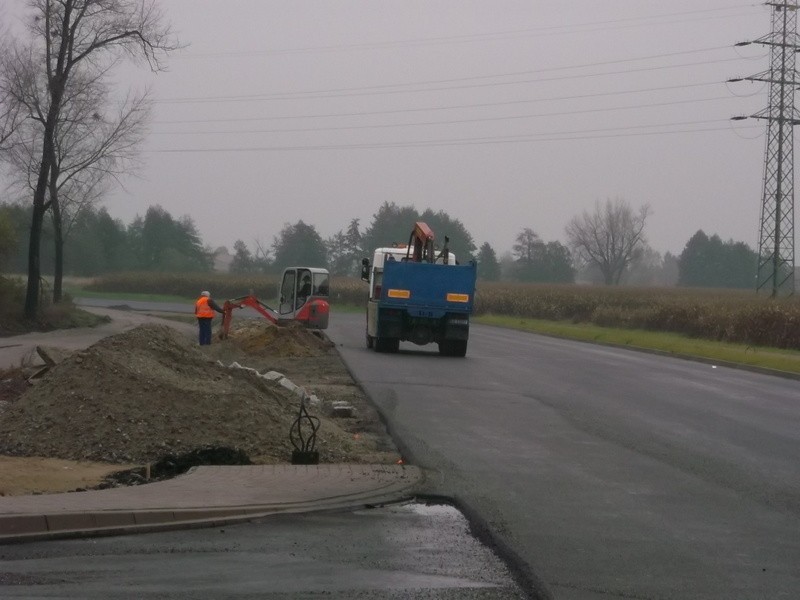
206,294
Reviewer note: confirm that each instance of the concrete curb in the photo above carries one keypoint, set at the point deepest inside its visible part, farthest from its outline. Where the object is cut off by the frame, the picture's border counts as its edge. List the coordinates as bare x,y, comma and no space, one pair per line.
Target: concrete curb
206,497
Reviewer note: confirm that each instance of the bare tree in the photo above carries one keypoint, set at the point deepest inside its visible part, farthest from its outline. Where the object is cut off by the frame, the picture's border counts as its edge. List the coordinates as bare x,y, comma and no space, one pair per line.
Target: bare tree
10,113
74,43
10,110
91,148
610,238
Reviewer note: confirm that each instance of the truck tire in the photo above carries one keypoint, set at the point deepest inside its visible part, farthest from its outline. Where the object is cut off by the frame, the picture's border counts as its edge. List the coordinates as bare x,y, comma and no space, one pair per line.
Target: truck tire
453,348
370,341
390,345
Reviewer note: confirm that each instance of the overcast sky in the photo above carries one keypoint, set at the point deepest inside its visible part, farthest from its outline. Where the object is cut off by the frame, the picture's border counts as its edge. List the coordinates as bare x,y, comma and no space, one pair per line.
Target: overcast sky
505,114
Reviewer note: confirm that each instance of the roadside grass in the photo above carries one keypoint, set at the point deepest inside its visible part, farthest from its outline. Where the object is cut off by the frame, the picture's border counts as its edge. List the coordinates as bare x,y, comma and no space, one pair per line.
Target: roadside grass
668,343
51,316
80,292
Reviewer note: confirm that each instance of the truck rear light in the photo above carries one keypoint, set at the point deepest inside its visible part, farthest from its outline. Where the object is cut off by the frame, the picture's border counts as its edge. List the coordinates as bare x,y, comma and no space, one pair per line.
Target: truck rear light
377,291
457,297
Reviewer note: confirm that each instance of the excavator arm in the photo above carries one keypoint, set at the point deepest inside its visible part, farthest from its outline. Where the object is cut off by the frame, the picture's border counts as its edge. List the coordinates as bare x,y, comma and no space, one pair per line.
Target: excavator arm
249,300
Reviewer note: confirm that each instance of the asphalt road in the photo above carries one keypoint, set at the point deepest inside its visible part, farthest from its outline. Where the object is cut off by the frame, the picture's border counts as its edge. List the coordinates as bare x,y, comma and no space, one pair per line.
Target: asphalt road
606,473
404,552
601,473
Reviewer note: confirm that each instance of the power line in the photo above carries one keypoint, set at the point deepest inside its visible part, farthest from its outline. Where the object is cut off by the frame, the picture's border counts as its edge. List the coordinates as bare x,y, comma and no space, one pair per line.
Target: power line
546,136
445,107
491,36
472,78
336,94
448,122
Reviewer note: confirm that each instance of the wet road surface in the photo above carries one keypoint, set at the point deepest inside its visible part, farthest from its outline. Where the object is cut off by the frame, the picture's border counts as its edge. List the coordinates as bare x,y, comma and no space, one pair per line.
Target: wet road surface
410,551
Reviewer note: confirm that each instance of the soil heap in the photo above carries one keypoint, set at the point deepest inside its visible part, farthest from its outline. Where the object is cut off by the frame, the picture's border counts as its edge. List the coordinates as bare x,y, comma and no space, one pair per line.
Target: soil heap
149,392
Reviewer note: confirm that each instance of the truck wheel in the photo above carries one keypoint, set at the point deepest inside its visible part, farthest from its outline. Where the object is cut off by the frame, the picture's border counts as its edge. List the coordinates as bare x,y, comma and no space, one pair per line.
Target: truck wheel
370,341
387,344
459,348
453,347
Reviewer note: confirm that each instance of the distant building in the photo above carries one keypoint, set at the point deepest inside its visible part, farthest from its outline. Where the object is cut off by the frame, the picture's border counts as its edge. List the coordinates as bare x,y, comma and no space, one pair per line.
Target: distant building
222,259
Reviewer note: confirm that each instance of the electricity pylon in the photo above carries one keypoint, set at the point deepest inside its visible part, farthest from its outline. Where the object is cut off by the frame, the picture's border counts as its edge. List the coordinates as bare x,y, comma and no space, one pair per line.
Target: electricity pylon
776,237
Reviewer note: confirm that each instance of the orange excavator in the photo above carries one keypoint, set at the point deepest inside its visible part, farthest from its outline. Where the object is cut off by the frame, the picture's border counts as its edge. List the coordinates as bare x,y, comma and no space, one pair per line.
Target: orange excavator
303,299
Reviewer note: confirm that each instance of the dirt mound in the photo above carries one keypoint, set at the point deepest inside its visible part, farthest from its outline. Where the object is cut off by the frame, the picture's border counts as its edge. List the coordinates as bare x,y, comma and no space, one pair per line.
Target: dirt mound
149,392
263,338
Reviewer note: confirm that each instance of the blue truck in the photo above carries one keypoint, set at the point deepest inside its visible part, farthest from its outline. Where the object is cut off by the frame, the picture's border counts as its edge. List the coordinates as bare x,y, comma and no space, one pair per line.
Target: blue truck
419,296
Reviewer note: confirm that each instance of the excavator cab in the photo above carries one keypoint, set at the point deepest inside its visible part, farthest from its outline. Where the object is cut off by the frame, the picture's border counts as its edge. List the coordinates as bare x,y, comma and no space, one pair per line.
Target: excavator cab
303,299
304,296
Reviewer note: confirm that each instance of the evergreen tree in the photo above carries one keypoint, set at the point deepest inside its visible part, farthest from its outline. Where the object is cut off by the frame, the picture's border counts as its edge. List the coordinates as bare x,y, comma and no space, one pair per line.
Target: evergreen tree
160,243
8,237
299,245
393,224
488,265
710,262
243,261
390,225
537,261
461,243
345,250
97,244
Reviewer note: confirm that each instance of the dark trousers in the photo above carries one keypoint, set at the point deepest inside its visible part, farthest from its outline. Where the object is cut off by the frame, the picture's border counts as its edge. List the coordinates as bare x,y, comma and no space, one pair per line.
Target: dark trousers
205,330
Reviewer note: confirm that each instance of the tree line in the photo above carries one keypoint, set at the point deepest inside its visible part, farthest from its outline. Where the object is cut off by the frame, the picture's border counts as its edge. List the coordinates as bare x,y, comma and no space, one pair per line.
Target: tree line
95,243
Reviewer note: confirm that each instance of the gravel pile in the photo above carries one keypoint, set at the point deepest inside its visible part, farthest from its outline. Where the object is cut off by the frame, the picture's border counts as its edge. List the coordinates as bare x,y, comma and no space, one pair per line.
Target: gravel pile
150,392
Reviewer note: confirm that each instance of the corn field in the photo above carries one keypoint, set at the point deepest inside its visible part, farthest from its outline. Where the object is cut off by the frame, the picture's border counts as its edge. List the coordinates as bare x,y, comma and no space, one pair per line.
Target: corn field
720,315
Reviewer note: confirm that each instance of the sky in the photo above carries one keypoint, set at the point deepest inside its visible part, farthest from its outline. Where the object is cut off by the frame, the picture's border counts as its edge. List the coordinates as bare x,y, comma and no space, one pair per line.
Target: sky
505,114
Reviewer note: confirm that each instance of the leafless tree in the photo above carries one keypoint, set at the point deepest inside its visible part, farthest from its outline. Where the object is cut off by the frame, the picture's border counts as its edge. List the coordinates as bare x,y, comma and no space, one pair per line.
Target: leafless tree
610,238
73,44
10,110
9,118
91,148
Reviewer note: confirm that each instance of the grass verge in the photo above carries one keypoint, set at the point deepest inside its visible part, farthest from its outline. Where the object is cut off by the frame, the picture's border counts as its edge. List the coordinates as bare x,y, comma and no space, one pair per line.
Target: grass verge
670,343
79,292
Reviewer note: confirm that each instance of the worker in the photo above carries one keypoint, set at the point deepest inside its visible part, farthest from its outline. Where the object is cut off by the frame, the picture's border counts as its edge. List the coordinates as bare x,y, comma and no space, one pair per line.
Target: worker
204,311
305,290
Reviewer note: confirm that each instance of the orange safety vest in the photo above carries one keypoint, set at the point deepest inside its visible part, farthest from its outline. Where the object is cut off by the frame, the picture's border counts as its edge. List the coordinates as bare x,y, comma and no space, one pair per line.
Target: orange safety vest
202,309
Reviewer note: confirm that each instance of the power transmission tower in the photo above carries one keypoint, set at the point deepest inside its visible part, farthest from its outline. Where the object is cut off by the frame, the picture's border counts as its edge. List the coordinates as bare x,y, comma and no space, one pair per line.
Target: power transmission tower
776,237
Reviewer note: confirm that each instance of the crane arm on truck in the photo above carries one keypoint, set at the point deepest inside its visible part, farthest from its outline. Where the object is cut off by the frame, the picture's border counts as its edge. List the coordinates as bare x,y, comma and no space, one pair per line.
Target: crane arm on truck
420,243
